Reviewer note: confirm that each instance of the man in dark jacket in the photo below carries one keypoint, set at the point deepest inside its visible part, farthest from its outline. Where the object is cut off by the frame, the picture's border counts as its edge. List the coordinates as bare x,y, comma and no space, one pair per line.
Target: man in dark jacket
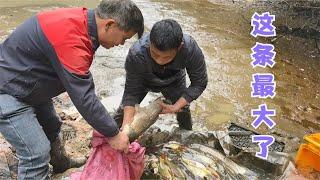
48,54
158,62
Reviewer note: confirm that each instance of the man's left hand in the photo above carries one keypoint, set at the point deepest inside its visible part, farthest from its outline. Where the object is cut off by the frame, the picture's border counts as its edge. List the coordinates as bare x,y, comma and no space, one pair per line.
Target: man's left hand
168,108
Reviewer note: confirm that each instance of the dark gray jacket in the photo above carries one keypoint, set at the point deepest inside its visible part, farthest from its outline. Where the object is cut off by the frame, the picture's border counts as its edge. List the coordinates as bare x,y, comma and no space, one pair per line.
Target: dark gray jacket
144,74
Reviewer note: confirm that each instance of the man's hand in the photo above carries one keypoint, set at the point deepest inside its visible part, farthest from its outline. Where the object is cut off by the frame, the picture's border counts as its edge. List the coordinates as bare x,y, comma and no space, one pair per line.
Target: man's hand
120,142
168,108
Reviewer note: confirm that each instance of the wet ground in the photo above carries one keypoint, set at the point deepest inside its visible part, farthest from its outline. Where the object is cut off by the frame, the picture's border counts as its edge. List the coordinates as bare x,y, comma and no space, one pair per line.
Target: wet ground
222,30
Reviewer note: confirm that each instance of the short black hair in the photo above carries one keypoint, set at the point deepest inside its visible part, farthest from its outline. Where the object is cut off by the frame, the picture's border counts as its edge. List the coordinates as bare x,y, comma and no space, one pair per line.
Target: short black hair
166,34
124,12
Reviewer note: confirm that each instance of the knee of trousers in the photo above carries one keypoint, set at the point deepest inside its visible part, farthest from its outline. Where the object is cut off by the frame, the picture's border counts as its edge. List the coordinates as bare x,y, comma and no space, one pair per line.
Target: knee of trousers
37,156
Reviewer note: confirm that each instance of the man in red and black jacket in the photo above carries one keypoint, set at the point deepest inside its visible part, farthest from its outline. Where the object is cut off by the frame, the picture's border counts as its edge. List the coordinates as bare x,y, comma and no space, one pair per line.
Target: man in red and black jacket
51,53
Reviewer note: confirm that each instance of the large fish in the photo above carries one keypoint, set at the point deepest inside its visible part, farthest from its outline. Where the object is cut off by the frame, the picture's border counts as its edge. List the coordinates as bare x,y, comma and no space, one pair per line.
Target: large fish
232,169
144,117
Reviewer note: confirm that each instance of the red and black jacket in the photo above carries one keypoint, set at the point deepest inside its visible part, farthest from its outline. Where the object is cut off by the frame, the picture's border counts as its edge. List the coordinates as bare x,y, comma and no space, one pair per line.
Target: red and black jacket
51,53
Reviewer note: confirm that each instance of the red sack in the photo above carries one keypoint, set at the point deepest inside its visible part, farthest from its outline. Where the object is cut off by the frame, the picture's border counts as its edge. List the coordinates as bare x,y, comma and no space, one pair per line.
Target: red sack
107,163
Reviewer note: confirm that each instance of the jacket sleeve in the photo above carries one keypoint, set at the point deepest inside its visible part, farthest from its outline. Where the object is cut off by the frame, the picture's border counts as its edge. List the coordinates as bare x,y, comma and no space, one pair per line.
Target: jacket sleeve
197,71
78,82
134,90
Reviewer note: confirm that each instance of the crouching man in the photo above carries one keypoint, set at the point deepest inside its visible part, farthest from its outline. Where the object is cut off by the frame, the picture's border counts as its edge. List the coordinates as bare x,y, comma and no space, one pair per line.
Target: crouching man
158,62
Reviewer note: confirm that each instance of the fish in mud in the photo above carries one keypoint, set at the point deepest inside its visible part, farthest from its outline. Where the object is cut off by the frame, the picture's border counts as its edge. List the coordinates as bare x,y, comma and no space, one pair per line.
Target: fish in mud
190,160
143,119
197,168
232,169
195,161
174,170
164,169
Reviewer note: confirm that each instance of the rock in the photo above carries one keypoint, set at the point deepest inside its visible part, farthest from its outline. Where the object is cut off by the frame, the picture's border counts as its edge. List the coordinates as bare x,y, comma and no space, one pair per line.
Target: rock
4,167
77,137
8,160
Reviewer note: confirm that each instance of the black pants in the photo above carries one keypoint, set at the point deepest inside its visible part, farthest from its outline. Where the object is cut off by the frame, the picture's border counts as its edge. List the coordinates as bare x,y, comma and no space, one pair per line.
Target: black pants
171,93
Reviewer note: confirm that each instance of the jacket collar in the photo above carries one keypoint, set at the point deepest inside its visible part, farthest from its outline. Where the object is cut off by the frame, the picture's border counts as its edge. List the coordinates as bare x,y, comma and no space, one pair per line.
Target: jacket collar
93,32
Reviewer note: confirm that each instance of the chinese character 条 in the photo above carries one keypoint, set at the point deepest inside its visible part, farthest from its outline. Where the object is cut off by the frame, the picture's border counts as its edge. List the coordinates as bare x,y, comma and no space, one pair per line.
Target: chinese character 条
263,85
264,141
262,25
263,55
262,116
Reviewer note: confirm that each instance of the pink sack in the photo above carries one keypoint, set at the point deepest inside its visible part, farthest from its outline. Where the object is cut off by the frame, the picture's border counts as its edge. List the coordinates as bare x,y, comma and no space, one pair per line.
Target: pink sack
107,163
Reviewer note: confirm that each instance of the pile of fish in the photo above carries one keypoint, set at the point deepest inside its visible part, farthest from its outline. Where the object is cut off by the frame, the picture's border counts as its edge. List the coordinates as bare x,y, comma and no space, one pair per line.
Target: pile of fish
179,154
195,161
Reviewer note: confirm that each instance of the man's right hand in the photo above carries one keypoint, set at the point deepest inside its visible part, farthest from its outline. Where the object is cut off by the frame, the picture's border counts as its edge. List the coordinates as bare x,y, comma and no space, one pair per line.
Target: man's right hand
120,142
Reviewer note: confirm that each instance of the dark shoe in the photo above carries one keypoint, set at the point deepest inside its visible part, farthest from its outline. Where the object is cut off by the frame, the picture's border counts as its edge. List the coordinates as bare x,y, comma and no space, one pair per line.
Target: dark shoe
184,119
59,159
